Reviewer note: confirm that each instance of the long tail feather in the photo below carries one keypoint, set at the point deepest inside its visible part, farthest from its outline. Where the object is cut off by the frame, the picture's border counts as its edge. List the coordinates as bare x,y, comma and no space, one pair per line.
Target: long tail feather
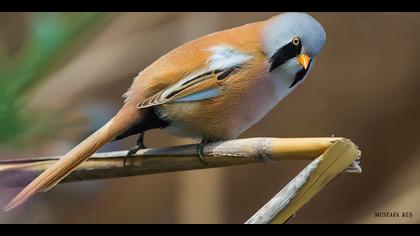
59,170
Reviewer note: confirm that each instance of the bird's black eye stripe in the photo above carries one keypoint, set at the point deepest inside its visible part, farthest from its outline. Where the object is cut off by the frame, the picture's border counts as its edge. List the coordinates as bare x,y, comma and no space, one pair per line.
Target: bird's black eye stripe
285,53
299,75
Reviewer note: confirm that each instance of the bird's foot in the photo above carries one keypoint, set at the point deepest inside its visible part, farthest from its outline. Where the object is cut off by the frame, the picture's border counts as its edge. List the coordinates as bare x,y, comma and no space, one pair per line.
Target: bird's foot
200,152
131,152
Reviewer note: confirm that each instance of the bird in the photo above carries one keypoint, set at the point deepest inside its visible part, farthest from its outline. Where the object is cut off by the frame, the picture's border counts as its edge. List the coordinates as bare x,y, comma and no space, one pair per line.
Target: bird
211,88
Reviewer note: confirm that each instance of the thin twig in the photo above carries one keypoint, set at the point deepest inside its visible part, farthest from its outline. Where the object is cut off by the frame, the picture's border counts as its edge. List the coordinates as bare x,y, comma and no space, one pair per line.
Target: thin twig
308,183
18,173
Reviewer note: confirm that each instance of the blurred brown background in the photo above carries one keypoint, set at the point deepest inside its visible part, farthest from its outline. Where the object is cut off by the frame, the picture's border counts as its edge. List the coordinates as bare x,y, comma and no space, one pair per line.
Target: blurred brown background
365,87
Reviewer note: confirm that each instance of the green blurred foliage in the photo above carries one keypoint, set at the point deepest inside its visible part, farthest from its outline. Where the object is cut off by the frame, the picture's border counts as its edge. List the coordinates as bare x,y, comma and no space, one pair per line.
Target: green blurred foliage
50,39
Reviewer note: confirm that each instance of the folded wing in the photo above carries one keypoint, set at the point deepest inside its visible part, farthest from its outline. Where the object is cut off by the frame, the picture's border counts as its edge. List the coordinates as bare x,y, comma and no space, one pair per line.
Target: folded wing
195,87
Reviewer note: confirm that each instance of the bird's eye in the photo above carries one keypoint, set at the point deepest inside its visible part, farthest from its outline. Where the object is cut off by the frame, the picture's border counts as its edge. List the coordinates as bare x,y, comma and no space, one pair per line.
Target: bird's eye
296,41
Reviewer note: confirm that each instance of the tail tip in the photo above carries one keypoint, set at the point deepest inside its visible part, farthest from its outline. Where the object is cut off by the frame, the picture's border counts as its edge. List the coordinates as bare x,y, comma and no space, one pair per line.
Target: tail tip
9,207
17,201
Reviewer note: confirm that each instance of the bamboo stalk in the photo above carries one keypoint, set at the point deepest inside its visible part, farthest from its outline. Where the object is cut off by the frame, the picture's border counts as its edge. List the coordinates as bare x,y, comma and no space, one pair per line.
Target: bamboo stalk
308,183
18,173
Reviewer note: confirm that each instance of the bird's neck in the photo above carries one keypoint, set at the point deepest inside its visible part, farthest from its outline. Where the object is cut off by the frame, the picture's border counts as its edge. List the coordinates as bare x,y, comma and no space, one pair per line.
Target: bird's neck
282,79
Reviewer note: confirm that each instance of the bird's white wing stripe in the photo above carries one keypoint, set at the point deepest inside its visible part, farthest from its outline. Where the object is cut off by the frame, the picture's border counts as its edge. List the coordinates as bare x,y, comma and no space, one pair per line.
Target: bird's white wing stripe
184,81
202,95
224,57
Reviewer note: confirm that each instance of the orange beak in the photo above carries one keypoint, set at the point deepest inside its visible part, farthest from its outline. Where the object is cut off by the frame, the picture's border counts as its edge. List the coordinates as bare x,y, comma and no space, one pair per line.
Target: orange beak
304,60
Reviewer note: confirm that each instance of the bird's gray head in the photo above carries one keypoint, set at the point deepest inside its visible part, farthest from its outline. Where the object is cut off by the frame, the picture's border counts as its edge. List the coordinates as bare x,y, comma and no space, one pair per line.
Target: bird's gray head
293,40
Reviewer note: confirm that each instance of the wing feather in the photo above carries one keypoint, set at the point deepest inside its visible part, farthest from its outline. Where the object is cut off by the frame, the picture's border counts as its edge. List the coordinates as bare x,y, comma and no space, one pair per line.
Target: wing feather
201,86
